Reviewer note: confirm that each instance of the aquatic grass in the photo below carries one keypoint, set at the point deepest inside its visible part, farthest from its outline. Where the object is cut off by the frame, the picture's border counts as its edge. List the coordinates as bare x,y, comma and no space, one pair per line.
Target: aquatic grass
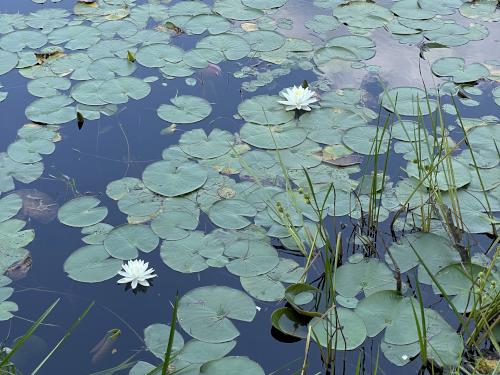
20,342
68,333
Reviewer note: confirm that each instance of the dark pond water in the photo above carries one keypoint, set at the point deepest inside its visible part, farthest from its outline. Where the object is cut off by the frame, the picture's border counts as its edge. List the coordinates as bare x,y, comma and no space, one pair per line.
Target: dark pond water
86,160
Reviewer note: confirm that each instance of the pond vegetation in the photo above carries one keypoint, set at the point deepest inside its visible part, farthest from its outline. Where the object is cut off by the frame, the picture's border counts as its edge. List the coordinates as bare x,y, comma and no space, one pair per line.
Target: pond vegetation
335,165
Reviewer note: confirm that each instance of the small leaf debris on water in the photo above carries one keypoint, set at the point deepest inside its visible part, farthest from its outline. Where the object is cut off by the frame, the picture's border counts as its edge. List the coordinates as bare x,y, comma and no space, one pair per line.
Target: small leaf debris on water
169,129
172,27
80,120
130,56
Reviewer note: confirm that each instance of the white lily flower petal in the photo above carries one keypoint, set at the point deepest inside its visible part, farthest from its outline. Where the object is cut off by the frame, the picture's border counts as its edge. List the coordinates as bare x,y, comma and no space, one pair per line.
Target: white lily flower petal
298,97
136,272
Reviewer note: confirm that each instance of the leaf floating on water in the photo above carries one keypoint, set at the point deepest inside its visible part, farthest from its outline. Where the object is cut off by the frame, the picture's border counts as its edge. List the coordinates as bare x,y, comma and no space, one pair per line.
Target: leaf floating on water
80,120
105,345
130,56
172,27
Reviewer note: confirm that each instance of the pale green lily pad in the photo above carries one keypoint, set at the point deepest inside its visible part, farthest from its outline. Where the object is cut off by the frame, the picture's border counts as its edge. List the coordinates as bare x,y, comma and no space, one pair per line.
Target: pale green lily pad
264,4
156,340
408,101
174,179
367,140
273,137
179,217
269,286
124,242
232,366
264,41
91,264
440,177
12,236
231,213
234,9
8,61
110,67
48,86
232,46
158,55
7,308
10,170
10,206
351,334
456,68
251,258
185,109
436,251
75,37
119,90
347,47
363,15
184,255
205,313
82,212
264,110
96,234
369,276
18,40
198,144
51,110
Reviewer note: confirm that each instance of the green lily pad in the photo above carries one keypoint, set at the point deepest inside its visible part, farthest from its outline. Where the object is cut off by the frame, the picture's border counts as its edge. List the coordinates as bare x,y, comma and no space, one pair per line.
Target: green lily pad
91,264
205,313
174,179
156,340
51,110
273,137
367,140
251,258
198,144
232,366
456,68
342,328
232,46
264,110
184,255
408,101
119,90
185,109
124,242
82,212
231,213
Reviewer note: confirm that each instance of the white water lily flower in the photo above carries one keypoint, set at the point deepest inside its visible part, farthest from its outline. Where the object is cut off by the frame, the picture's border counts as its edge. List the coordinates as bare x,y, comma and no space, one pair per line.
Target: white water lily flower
136,272
298,97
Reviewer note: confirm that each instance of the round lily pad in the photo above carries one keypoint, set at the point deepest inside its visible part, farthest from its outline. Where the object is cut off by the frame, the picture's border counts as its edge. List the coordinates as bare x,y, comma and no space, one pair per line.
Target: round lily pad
82,212
408,101
171,179
341,329
185,109
367,140
264,110
232,366
205,313
231,213
91,264
124,242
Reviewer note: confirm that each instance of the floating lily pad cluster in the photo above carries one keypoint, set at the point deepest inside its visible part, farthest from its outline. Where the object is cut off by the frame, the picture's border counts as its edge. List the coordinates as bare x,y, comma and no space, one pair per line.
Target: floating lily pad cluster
253,185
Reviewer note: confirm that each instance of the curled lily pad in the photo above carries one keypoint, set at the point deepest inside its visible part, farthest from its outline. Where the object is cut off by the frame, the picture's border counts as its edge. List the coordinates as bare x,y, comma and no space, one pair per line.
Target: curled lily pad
82,212
91,264
205,313
185,110
290,322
